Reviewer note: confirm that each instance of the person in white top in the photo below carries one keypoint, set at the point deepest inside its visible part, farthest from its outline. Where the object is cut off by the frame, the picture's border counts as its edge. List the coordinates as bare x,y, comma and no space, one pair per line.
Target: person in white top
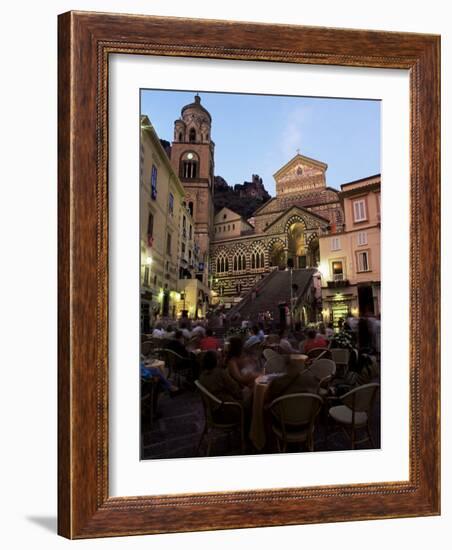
198,330
353,323
169,332
284,343
185,332
329,331
158,331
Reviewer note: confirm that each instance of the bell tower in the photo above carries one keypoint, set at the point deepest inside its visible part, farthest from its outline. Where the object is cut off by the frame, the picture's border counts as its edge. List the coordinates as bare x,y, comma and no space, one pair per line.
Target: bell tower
192,158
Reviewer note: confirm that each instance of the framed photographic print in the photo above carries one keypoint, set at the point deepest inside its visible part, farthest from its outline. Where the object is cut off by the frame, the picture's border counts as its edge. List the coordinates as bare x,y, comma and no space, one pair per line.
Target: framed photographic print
248,275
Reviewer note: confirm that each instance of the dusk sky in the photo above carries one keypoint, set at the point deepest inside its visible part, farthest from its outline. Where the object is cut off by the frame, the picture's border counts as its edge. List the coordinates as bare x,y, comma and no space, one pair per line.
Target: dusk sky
258,134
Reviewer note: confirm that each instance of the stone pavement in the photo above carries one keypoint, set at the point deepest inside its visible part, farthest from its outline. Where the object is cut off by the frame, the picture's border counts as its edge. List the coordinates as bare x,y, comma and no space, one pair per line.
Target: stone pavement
177,431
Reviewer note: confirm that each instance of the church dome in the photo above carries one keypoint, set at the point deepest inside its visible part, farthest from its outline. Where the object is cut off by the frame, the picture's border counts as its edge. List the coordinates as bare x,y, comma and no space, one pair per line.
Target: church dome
195,107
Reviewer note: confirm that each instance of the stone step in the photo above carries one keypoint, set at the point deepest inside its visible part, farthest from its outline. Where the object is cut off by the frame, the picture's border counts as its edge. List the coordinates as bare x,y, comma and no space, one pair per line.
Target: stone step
272,291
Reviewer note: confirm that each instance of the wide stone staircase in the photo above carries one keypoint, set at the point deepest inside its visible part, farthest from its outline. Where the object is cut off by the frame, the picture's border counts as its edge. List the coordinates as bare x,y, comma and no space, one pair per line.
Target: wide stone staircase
271,291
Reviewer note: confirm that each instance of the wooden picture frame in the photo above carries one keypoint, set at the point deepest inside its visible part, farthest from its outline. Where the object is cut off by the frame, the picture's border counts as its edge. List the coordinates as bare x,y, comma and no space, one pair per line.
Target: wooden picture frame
86,40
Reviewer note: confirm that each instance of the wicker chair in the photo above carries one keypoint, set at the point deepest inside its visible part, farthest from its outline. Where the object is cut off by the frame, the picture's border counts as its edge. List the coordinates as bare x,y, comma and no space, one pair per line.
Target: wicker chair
146,348
212,403
319,353
293,419
341,357
177,365
275,362
354,412
323,370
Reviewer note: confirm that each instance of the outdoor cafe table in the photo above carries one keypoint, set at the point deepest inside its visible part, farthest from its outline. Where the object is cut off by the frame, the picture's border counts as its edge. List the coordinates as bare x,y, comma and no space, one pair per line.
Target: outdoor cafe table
299,359
257,428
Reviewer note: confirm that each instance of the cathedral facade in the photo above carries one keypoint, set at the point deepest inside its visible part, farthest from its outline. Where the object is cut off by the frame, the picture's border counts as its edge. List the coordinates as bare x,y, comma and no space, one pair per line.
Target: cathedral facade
283,232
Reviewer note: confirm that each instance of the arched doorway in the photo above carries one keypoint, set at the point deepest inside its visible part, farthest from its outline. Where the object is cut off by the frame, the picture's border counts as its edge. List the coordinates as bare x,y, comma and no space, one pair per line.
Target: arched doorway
276,255
296,245
313,256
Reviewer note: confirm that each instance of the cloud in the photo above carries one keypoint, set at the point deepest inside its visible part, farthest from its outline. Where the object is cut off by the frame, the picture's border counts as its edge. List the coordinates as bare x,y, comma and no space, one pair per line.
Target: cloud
294,131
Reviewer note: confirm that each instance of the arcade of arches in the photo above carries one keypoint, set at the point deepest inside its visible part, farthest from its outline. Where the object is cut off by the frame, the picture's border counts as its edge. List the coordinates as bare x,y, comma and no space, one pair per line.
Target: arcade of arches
239,263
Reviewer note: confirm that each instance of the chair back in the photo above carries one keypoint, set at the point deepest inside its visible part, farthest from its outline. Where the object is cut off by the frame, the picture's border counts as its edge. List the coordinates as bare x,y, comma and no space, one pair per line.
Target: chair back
321,353
296,409
208,399
163,342
360,399
340,355
268,353
173,358
321,368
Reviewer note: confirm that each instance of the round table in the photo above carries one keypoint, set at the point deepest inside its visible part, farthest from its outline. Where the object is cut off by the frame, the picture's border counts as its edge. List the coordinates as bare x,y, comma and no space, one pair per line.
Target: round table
298,359
257,428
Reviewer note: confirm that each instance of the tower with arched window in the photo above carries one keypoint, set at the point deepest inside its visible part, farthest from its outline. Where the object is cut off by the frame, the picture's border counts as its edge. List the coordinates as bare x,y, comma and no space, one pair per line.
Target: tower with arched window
192,158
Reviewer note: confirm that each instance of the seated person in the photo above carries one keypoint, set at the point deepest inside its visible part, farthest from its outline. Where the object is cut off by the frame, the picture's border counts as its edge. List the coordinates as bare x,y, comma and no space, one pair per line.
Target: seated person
209,342
147,373
169,332
284,344
235,364
298,331
198,330
322,331
158,331
218,382
294,381
329,331
255,338
177,344
314,340
184,329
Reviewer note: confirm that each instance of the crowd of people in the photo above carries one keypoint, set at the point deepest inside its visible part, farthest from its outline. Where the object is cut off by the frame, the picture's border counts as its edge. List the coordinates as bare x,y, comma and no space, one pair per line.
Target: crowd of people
227,366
